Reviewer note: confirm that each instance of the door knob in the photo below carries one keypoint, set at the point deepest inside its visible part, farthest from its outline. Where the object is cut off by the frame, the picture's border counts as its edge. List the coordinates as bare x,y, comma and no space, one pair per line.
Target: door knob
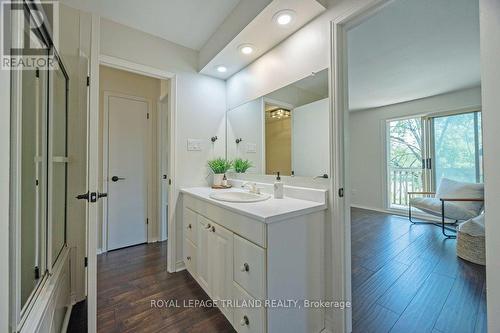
244,321
116,178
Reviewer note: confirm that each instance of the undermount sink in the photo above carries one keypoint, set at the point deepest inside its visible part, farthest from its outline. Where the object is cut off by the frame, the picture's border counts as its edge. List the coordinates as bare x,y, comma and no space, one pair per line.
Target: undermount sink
240,197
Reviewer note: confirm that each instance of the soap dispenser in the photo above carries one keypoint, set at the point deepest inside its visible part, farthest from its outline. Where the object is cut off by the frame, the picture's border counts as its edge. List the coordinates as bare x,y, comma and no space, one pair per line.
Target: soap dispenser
278,188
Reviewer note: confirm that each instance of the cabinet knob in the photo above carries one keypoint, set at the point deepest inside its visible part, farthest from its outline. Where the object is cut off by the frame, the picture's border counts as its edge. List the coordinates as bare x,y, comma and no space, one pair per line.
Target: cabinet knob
213,229
245,267
208,226
188,258
189,226
244,321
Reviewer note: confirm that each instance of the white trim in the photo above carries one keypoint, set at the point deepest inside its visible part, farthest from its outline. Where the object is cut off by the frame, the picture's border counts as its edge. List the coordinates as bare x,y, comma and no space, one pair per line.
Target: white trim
162,152
48,295
137,68
340,161
67,317
105,166
180,266
93,174
122,64
401,212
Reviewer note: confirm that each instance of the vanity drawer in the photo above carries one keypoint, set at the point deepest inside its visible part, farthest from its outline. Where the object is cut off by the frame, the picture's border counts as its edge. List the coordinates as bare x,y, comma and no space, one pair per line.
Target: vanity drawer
190,257
250,229
250,267
190,225
250,319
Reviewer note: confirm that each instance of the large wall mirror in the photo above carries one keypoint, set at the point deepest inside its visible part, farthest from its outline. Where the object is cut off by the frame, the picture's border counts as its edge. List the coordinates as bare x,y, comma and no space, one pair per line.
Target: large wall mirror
285,131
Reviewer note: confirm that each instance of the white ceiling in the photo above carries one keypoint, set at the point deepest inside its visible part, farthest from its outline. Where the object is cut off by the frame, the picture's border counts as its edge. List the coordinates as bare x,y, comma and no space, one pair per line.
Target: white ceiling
186,22
413,49
263,34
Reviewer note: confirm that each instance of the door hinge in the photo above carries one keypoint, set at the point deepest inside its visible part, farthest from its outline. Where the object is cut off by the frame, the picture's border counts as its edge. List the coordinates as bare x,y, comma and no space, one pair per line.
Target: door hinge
429,163
170,182
88,81
86,262
147,221
36,182
147,115
341,192
37,272
37,72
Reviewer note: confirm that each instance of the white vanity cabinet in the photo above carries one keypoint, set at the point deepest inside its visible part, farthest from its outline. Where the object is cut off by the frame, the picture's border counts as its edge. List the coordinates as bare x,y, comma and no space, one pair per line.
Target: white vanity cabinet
235,256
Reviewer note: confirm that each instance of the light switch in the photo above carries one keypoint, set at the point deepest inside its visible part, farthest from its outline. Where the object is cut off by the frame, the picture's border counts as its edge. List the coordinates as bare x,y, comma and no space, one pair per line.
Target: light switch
194,144
251,148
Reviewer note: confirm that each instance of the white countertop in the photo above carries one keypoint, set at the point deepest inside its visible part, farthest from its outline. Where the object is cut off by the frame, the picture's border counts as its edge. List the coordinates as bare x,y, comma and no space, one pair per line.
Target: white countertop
271,210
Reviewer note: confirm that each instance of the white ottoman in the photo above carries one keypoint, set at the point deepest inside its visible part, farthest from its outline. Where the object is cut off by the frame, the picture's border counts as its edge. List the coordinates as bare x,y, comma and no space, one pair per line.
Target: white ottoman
471,240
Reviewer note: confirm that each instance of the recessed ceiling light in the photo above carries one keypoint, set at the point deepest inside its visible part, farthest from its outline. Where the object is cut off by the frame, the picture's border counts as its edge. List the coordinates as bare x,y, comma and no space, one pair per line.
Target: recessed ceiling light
246,48
284,17
221,69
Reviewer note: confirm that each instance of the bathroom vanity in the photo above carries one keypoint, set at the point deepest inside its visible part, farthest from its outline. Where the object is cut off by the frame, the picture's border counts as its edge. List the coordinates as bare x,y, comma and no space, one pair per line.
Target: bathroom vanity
262,256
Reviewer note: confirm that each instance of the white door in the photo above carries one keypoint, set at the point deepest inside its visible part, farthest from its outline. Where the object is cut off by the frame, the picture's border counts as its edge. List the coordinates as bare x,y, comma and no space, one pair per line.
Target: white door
127,171
220,252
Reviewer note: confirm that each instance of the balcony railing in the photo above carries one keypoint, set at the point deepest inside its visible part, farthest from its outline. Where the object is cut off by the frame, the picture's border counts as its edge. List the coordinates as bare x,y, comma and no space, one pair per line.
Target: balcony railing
404,180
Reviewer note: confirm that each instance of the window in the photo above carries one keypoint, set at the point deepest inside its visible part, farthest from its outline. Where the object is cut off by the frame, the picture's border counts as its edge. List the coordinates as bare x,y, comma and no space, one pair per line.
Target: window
405,154
424,150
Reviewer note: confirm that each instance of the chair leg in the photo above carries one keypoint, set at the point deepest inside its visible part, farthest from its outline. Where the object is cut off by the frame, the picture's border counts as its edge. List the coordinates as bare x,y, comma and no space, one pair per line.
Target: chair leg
409,213
442,223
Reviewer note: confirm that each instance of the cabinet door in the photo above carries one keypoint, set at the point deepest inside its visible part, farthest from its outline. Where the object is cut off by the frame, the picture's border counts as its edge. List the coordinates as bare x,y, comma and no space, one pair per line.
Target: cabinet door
220,249
190,225
203,255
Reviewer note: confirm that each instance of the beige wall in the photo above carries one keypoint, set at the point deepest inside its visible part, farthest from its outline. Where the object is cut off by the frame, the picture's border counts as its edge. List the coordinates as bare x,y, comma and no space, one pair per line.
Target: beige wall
279,146
118,81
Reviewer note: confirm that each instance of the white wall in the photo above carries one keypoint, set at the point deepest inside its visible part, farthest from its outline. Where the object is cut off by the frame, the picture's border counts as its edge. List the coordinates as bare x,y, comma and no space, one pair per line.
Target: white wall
201,101
310,139
367,140
490,72
245,122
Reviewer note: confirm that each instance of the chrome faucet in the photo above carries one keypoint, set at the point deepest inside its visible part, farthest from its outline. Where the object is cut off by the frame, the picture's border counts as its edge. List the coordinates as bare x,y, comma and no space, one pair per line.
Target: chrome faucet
252,187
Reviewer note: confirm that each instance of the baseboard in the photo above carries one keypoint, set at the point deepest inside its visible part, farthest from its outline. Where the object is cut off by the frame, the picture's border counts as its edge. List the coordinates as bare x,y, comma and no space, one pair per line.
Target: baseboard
67,317
419,215
180,266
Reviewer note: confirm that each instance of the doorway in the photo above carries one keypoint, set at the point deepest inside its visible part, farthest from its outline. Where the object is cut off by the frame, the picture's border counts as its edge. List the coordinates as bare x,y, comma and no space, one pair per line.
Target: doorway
399,271
167,93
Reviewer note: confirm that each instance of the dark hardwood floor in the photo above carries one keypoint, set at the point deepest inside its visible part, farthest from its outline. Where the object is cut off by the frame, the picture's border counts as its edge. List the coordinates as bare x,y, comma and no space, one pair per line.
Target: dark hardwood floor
407,278
129,279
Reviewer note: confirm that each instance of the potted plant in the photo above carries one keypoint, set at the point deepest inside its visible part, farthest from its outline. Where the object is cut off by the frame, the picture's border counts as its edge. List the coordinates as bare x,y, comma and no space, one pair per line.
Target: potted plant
241,165
219,167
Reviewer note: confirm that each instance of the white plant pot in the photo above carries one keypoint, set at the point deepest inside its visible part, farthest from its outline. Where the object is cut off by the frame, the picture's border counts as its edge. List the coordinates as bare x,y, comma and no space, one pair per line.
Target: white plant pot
218,179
